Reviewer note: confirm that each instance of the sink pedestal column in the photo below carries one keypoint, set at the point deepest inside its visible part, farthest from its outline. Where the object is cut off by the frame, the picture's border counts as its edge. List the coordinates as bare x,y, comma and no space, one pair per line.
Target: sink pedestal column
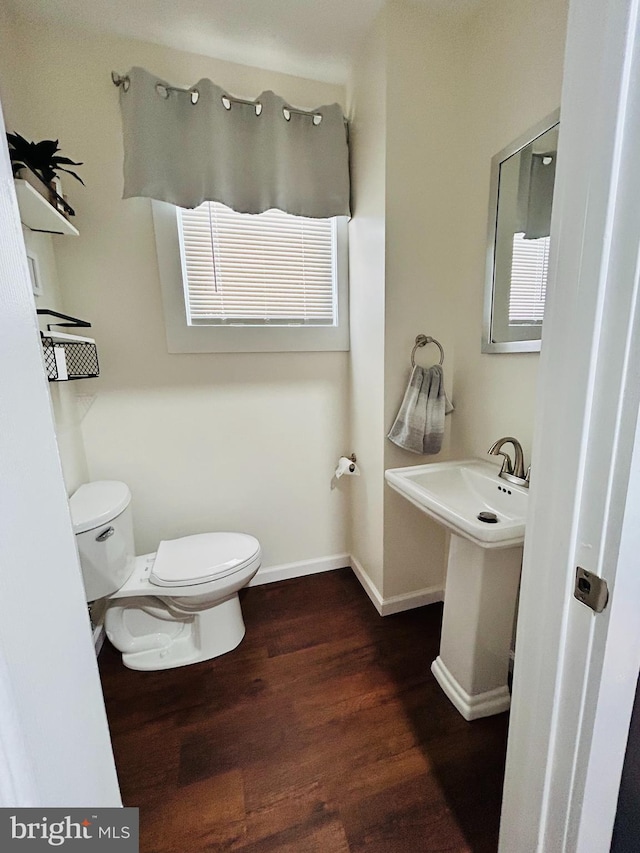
479,609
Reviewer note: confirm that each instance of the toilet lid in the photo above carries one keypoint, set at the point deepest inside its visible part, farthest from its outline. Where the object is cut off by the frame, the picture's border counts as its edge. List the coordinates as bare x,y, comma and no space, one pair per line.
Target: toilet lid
98,503
201,558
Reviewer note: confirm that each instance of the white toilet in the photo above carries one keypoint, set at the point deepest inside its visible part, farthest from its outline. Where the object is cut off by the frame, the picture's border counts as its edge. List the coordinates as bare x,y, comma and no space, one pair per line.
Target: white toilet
175,607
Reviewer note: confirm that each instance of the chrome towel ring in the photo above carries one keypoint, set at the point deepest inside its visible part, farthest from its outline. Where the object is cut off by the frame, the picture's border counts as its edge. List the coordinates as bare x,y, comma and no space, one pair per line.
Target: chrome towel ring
423,340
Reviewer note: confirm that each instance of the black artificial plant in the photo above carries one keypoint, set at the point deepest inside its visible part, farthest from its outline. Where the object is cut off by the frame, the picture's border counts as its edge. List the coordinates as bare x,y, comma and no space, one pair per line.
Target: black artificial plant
40,157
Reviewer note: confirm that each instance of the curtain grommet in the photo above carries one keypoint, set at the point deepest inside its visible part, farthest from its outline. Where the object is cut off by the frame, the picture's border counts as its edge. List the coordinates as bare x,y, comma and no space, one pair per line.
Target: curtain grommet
162,90
124,82
227,101
316,118
195,96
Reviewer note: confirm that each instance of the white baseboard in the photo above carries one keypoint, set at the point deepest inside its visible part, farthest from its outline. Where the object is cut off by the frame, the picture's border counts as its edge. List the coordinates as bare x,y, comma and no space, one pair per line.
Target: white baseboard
286,571
367,584
395,603
411,600
384,606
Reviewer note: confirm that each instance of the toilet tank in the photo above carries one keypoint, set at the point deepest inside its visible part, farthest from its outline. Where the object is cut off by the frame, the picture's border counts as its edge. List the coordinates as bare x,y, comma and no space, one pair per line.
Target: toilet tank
102,522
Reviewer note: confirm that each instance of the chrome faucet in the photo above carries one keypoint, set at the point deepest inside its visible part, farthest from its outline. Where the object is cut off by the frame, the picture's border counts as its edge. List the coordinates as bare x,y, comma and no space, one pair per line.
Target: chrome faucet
511,471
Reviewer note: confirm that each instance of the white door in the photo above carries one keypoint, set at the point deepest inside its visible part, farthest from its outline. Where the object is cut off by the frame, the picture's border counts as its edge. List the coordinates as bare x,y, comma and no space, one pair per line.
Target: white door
54,740
575,671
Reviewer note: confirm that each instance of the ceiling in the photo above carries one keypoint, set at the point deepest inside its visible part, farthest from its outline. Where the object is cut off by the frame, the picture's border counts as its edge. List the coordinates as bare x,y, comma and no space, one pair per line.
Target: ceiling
309,38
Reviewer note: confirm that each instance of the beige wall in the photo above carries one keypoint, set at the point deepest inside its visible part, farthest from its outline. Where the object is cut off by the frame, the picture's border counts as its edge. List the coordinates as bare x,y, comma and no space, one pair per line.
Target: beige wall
425,88
244,441
515,61
250,441
368,131
20,116
457,90
12,76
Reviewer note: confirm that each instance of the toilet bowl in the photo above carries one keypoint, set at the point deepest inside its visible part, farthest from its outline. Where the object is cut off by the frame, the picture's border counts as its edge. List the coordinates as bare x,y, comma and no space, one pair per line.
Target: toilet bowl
171,608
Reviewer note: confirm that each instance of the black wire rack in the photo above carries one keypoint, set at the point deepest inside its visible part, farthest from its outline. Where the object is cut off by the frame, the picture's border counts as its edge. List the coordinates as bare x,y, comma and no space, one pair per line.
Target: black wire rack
78,359
81,359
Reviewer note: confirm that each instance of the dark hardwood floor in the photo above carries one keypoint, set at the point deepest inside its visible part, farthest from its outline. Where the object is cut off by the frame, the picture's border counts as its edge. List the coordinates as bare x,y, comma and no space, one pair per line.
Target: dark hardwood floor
323,731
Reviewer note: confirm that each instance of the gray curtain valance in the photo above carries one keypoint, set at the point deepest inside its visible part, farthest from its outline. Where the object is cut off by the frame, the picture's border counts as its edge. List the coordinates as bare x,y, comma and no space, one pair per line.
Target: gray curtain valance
190,146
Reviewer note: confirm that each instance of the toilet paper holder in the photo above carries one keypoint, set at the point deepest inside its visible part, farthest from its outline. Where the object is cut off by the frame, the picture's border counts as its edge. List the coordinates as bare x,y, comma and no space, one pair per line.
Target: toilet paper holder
346,465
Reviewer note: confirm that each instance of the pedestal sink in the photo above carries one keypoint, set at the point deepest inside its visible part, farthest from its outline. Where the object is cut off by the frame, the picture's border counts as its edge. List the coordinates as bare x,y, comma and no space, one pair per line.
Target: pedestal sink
483,575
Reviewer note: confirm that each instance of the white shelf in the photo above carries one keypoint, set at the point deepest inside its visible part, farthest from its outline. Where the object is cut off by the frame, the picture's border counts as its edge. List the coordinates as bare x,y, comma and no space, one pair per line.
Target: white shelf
38,215
63,338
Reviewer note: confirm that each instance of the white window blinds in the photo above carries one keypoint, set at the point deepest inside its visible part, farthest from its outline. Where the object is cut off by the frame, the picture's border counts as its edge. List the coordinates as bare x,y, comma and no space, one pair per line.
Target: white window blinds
257,269
529,270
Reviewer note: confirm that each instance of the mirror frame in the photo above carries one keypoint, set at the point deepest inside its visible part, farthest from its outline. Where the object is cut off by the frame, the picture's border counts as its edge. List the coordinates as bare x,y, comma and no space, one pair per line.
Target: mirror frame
488,345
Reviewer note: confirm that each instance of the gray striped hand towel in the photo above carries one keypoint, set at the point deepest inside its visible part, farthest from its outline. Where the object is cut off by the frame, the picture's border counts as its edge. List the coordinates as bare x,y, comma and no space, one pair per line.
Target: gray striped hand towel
419,424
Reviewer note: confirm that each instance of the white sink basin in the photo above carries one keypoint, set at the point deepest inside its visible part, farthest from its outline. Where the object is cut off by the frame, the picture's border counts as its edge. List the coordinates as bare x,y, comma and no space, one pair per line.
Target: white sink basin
454,493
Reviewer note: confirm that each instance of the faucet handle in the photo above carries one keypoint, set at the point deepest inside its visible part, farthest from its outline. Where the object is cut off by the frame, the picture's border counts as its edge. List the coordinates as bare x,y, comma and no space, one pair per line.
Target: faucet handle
511,471
515,468
496,450
507,464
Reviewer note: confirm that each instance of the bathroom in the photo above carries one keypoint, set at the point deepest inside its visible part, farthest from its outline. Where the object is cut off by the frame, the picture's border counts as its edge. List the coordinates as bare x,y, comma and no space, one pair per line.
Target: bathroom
249,441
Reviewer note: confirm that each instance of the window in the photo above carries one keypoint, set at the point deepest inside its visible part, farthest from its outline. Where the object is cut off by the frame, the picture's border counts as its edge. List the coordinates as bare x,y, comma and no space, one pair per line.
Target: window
529,272
270,268
251,283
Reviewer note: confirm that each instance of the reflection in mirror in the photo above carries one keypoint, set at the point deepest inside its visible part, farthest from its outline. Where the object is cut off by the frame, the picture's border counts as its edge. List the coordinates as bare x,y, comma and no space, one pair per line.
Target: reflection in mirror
522,181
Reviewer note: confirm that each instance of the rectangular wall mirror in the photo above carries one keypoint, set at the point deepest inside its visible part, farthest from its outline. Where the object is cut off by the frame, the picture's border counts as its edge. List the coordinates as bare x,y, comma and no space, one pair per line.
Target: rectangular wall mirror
522,180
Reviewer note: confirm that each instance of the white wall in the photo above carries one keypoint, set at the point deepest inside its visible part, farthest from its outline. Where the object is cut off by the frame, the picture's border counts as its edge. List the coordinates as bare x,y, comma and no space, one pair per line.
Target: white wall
67,398
55,740
209,441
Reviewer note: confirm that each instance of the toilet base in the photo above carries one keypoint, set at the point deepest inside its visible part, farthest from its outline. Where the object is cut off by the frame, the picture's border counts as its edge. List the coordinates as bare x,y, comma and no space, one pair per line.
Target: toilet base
152,636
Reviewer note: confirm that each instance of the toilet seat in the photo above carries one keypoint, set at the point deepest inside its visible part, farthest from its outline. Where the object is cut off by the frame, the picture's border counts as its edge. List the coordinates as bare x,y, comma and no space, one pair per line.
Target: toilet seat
201,558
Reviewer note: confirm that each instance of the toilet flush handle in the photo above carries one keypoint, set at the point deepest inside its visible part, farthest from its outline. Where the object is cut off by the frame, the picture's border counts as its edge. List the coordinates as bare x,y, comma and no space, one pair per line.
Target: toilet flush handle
102,537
